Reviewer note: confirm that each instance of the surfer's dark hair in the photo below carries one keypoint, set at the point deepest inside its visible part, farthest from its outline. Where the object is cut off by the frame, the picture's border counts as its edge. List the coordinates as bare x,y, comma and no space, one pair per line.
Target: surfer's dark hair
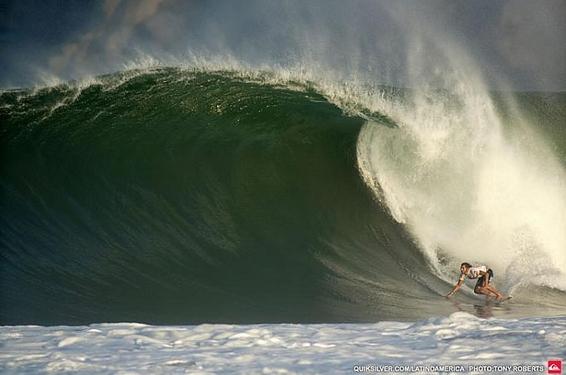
465,264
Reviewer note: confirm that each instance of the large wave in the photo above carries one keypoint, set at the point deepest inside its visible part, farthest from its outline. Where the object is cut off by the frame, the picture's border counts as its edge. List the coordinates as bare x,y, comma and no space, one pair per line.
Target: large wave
175,196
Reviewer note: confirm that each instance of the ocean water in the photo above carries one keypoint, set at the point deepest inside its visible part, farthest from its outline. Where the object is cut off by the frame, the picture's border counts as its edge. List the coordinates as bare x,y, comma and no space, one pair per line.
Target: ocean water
181,196
180,220
460,343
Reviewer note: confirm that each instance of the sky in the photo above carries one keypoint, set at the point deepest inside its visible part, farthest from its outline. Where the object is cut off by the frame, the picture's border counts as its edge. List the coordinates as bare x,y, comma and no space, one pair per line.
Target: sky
520,43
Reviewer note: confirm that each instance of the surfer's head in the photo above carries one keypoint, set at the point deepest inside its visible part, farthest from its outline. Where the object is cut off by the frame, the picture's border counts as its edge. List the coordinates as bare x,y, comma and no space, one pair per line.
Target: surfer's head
464,267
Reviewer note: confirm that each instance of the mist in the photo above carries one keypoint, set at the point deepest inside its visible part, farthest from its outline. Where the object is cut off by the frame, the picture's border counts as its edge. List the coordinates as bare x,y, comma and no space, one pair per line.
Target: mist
514,45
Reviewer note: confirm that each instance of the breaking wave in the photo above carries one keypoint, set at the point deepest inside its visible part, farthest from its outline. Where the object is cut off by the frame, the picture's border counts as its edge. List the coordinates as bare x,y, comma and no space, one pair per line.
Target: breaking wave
176,196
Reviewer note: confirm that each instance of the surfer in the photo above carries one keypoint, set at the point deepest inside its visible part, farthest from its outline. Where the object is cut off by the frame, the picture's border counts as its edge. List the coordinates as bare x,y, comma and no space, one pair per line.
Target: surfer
483,274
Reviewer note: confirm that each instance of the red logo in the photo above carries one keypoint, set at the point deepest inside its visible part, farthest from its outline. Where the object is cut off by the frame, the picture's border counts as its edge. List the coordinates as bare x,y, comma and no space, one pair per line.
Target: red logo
555,366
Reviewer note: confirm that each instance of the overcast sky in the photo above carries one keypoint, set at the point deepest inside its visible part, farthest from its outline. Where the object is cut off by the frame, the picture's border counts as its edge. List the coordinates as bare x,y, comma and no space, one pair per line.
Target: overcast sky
520,42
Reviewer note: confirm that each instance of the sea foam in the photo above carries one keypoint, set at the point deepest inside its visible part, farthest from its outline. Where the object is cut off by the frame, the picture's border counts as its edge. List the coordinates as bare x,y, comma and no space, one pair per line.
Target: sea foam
460,340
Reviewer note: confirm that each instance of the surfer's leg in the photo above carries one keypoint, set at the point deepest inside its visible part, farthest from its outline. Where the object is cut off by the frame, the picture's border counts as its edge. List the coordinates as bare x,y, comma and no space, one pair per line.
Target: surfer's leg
485,291
497,294
480,289
493,290
491,287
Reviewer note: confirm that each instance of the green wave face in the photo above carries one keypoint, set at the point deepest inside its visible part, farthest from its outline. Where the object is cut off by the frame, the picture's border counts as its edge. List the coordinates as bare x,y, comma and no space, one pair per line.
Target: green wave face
175,197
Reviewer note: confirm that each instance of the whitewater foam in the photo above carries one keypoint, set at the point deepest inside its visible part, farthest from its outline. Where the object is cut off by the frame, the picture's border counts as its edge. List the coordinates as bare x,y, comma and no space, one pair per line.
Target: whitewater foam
460,339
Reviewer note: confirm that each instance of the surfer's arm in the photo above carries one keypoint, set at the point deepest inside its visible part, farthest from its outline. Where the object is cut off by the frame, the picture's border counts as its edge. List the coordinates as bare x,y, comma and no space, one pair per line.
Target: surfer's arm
457,286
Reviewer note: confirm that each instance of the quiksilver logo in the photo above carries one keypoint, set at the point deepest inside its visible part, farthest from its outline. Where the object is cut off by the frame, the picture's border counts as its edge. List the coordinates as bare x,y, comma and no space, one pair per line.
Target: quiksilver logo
555,367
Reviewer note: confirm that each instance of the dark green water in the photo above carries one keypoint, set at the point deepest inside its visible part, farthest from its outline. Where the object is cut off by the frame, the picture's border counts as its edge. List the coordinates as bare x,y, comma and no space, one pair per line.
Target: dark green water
174,197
